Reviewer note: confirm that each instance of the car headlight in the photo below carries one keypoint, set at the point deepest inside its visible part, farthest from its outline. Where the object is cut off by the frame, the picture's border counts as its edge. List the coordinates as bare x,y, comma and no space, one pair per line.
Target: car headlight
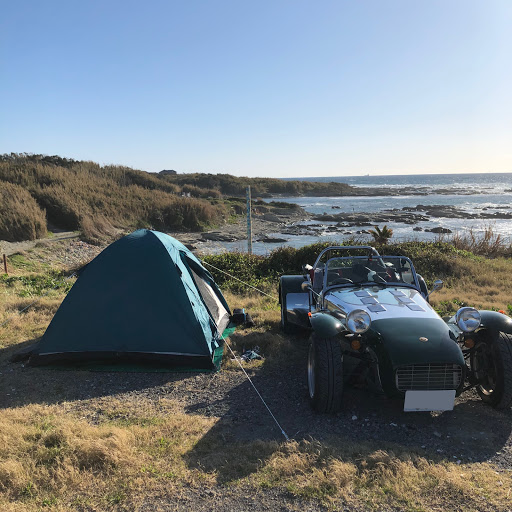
358,321
468,319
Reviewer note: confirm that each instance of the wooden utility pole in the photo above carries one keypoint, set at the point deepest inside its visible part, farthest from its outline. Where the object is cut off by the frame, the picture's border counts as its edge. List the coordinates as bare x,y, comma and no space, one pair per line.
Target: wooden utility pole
249,223
5,264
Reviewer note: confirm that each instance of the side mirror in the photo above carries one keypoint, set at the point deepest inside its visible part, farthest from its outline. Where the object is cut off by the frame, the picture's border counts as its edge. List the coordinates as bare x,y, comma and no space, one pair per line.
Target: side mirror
438,284
305,286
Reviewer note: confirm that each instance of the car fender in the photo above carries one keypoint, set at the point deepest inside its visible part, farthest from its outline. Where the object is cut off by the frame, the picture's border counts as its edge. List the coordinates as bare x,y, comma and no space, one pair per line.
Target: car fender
409,341
325,325
495,321
490,320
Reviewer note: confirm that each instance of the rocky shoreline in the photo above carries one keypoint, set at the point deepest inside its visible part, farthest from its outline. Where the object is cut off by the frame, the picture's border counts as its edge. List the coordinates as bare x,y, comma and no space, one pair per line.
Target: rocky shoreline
278,225
274,224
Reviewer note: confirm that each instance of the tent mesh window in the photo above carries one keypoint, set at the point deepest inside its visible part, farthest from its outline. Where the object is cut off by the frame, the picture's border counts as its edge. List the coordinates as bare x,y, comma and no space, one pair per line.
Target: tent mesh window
217,311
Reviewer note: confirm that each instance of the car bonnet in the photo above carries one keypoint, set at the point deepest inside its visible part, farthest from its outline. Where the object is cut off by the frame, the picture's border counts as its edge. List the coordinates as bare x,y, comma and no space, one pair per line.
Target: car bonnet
382,303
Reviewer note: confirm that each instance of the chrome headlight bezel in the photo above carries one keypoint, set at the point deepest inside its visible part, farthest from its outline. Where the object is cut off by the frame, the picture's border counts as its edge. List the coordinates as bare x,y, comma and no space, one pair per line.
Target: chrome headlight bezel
468,319
358,321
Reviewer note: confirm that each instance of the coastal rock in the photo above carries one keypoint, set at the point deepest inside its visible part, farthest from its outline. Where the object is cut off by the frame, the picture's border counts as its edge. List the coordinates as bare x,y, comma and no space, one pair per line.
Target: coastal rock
272,240
440,230
496,215
452,212
271,217
372,218
216,236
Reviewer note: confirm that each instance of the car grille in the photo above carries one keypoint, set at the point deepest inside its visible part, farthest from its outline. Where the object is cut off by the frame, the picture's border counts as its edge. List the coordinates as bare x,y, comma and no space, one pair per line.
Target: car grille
428,377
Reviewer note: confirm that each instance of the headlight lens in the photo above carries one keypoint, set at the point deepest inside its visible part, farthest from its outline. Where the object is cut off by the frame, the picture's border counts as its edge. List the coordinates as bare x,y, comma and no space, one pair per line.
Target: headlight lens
468,319
358,321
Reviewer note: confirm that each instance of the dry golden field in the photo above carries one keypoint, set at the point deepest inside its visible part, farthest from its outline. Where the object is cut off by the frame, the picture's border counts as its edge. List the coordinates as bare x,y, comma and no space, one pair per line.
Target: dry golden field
87,441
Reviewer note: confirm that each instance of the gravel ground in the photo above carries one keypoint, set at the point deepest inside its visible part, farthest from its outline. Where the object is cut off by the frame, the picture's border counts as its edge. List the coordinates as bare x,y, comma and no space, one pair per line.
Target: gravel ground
473,432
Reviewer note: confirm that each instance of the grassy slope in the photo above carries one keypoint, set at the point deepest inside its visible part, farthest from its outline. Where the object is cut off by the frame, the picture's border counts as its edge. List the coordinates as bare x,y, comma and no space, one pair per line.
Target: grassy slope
81,195
51,457
84,196
236,186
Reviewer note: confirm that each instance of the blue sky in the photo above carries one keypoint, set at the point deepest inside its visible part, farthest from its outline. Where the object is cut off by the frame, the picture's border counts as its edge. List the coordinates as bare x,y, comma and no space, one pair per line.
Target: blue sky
267,88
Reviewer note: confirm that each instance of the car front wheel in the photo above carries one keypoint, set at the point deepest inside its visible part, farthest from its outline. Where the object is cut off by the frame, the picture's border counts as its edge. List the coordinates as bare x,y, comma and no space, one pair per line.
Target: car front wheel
492,363
325,374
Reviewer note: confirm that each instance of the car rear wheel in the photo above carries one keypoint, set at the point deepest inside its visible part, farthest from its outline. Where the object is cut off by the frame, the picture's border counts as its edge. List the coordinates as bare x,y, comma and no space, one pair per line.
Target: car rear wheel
492,363
325,374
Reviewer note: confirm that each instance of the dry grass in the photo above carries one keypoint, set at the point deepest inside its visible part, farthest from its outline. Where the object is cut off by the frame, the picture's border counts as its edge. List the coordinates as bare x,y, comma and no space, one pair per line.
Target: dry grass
50,458
82,195
489,243
375,477
96,230
265,335
20,216
29,282
56,458
484,284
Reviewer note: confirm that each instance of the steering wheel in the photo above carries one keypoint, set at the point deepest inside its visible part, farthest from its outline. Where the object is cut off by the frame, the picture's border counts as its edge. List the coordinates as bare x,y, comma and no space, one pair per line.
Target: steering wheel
378,276
342,280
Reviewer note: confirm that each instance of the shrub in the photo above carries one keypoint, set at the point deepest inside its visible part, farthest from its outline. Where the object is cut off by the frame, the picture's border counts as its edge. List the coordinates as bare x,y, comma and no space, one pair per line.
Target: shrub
433,260
84,195
96,229
20,216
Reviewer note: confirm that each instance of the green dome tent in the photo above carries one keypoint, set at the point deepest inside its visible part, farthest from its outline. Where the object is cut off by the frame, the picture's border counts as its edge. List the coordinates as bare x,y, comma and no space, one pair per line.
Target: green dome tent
145,298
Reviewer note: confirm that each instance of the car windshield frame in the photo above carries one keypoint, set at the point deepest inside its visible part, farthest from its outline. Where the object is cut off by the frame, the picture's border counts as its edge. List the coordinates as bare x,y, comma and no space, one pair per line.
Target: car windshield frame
382,267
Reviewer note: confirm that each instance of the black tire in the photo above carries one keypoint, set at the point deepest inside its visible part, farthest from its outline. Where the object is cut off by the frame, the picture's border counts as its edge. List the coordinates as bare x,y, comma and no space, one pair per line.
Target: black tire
325,374
492,363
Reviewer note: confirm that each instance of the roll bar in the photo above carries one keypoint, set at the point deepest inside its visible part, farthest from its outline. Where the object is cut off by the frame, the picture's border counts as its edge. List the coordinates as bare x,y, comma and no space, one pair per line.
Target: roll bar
369,248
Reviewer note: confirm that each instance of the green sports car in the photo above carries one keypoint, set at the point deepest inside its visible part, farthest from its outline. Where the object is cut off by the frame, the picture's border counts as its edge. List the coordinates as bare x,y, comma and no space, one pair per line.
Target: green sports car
372,324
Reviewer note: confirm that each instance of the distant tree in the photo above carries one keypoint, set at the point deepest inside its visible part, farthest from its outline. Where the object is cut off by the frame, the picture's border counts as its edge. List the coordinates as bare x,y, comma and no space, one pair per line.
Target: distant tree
381,236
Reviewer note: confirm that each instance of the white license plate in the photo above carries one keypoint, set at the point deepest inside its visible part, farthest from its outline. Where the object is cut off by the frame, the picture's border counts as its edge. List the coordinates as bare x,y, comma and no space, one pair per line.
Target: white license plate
442,400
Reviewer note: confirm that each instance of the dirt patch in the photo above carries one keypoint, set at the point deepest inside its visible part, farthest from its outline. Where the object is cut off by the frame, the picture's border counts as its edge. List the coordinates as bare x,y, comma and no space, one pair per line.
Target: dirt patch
9,248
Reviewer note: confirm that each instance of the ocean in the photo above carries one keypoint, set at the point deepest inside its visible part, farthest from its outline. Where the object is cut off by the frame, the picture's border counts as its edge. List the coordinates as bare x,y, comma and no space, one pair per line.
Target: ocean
472,193
494,183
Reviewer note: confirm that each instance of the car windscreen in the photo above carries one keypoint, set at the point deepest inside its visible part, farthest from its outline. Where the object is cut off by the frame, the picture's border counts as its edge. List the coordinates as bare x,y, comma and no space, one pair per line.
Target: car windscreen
361,269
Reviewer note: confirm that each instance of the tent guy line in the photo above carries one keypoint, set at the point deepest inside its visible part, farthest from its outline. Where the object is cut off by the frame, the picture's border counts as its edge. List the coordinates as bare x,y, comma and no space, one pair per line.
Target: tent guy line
255,389
251,382
236,358
239,280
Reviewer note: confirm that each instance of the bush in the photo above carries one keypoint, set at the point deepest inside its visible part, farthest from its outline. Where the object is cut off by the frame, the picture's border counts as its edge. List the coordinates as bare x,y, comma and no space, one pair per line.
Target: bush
96,230
84,195
20,216
433,260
